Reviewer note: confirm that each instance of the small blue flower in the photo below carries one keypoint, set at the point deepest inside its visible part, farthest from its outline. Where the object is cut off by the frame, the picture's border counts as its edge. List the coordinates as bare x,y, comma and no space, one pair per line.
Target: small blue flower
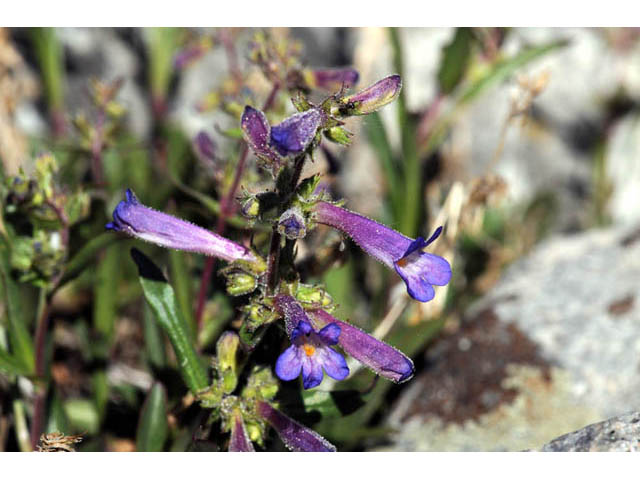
310,353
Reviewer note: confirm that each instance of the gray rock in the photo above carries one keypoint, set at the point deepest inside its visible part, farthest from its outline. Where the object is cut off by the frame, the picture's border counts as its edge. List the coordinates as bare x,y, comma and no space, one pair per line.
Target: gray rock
618,434
554,346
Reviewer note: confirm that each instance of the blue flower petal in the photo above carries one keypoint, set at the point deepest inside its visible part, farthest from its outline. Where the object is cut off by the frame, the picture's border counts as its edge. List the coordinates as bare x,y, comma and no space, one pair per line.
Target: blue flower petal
289,364
330,333
334,364
311,372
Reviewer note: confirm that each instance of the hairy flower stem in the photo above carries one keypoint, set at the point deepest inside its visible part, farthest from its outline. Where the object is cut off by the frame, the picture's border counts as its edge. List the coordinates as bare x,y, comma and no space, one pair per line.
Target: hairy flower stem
273,260
226,210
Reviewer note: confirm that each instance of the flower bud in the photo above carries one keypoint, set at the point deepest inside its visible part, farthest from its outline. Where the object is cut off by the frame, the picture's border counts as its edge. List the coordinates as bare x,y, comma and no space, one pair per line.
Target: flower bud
250,207
227,350
240,283
316,296
374,97
291,224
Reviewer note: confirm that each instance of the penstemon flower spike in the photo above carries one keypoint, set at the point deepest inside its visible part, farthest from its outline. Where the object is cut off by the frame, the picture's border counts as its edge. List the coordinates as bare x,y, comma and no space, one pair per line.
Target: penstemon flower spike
419,270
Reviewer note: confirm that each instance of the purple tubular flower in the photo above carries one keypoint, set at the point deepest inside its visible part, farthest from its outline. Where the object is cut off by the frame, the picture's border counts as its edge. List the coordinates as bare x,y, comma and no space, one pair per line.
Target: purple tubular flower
418,269
310,350
294,134
295,436
376,96
333,79
383,359
144,223
239,441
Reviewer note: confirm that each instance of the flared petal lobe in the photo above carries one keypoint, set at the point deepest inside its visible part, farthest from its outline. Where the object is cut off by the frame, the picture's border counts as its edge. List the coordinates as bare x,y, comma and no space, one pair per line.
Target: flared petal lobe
289,364
380,357
295,436
144,223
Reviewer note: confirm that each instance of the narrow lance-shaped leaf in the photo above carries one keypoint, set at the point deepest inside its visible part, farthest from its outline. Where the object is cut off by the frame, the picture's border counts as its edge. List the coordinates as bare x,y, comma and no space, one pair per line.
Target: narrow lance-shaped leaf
153,428
162,301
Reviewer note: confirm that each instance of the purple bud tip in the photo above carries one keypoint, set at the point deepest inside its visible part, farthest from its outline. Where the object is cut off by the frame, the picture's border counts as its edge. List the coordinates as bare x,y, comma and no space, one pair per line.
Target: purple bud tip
419,269
295,436
144,223
375,97
294,134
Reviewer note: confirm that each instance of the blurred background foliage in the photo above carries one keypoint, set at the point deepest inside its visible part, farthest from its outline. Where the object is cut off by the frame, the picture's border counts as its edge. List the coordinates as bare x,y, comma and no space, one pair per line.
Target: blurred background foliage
485,138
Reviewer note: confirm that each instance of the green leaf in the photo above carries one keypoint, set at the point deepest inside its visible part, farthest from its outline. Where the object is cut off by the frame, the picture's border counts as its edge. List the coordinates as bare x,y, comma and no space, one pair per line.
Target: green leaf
455,59
162,300
19,337
162,45
153,427
153,339
11,365
181,280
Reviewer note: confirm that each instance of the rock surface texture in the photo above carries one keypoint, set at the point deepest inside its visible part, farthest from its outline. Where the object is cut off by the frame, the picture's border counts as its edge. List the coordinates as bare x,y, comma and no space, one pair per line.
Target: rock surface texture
618,434
553,347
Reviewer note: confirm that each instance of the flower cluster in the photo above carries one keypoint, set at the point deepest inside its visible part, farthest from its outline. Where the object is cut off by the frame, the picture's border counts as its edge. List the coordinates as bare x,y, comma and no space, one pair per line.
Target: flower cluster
318,340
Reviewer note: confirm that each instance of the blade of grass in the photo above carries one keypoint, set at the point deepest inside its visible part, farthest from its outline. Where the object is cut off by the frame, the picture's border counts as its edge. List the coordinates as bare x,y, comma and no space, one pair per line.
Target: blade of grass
502,70
412,172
